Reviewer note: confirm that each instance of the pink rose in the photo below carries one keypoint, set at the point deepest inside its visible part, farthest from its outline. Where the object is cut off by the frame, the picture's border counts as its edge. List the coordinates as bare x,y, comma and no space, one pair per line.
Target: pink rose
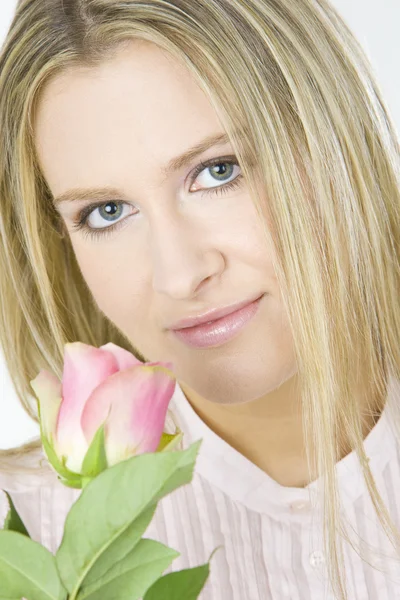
103,385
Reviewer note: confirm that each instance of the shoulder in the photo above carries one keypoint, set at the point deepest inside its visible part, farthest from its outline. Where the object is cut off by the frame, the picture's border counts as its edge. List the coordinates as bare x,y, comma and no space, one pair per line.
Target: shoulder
27,477
24,468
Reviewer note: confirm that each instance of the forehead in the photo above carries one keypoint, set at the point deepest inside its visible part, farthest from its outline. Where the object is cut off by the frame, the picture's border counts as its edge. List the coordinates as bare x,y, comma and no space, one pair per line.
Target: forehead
140,108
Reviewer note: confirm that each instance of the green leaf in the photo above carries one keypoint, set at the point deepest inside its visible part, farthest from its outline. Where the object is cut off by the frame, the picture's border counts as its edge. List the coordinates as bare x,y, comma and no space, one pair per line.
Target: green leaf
59,465
65,476
95,460
13,521
186,584
131,577
27,569
169,441
72,483
120,547
109,504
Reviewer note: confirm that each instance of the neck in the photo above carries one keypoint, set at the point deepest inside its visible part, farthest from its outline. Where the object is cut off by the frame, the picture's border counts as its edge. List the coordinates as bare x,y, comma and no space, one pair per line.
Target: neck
269,431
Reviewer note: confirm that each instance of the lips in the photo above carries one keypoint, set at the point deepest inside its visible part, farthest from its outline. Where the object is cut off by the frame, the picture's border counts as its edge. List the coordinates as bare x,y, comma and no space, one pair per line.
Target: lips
212,315
219,331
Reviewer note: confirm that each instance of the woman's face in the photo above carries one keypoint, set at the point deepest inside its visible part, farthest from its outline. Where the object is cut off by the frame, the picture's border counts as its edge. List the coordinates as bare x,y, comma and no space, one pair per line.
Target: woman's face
163,246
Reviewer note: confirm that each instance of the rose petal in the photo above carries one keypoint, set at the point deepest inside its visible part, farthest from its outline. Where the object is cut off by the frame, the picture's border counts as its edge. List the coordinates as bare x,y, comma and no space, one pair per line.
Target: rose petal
48,390
139,399
85,367
124,358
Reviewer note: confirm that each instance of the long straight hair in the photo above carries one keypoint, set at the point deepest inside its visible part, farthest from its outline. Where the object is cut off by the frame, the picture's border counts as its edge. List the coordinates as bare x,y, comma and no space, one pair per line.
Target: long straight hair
306,118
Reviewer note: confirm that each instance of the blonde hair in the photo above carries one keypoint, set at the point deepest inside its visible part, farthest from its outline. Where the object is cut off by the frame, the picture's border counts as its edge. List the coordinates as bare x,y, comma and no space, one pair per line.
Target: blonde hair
307,121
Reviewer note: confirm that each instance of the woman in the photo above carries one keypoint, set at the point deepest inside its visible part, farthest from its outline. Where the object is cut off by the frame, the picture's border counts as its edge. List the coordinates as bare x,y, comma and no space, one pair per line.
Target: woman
288,202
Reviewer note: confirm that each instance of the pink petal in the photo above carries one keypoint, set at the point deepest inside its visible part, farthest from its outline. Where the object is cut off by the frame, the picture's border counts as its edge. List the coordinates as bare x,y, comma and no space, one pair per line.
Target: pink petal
48,390
85,367
139,399
124,358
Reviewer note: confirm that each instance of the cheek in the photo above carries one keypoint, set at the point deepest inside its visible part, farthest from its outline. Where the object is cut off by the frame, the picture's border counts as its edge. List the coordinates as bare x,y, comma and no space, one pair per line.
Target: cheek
116,282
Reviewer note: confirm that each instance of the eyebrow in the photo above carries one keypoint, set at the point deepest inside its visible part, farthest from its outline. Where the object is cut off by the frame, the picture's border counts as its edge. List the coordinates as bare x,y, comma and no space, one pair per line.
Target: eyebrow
175,164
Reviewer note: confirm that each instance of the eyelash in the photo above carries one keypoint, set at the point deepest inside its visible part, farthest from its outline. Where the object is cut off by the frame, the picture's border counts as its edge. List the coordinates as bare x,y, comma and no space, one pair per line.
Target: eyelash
80,223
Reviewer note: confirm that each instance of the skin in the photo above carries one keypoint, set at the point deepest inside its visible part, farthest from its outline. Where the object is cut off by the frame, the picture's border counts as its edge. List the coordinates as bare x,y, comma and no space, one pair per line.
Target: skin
178,252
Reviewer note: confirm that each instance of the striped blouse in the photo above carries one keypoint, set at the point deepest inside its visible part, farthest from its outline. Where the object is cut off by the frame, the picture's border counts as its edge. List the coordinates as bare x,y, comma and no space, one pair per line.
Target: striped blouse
271,535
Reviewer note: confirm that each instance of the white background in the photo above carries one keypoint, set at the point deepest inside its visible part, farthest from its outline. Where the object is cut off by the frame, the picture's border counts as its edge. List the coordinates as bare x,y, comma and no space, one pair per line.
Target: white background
376,24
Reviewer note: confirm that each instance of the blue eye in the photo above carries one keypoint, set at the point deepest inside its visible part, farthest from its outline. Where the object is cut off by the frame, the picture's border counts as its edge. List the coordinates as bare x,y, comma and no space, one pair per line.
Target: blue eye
112,210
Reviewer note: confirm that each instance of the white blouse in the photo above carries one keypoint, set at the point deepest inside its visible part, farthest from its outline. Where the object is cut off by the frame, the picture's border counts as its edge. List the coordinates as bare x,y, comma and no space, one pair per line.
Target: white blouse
271,535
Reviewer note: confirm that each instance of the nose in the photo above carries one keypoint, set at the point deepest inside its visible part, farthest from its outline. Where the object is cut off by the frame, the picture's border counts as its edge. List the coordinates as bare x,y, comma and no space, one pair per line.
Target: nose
183,259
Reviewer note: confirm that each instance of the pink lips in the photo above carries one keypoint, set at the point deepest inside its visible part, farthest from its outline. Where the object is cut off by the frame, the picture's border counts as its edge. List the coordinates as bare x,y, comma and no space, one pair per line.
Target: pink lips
211,315
220,330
